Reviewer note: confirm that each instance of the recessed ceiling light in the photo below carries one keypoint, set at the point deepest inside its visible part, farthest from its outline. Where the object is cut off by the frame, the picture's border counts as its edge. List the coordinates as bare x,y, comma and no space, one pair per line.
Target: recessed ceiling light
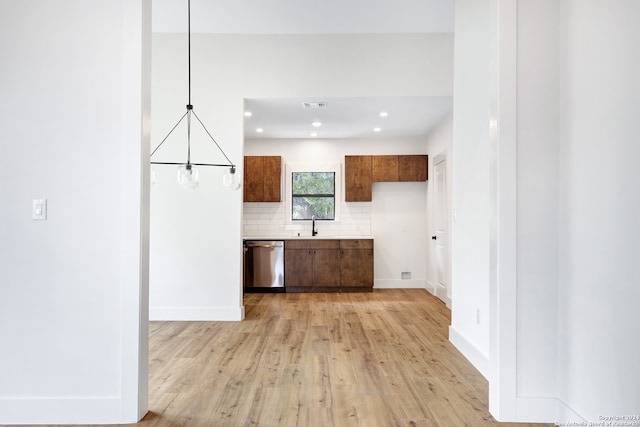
247,113
384,114
316,124
259,130
377,129
313,134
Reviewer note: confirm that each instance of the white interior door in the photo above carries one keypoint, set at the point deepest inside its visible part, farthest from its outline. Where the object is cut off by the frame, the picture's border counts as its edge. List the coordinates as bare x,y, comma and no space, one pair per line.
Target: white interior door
440,239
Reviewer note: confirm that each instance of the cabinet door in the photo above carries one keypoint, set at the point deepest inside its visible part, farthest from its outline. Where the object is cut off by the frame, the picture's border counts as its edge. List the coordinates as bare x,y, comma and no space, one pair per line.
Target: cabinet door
272,166
326,267
413,168
298,267
253,179
384,168
357,180
356,267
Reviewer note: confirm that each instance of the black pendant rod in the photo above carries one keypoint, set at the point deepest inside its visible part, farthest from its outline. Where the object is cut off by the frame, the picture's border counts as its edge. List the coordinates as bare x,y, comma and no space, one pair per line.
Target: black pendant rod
188,115
189,106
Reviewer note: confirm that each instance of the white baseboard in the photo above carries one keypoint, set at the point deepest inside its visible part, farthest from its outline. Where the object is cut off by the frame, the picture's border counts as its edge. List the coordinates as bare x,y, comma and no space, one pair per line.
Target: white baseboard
399,284
430,287
537,409
468,350
62,411
567,414
196,313
545,410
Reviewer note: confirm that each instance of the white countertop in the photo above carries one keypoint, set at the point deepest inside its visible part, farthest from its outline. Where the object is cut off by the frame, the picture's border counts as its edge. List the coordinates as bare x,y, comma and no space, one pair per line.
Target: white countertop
305,237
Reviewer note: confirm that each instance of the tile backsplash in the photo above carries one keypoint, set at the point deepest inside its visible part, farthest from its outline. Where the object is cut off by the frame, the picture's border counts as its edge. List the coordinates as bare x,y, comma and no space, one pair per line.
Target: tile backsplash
273,220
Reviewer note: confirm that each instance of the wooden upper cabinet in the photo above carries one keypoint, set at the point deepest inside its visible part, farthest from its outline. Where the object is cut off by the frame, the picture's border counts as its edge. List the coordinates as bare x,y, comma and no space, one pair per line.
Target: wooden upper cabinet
272,174
253,171
384,168
413,168
262,178
357,178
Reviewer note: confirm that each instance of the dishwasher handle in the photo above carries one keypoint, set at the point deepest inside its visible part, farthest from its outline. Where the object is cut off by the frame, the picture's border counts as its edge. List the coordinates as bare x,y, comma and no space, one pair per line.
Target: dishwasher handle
264,244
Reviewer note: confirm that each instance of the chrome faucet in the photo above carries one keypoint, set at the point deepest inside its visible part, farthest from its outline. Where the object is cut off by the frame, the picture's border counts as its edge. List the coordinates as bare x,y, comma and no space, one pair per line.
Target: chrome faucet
313,225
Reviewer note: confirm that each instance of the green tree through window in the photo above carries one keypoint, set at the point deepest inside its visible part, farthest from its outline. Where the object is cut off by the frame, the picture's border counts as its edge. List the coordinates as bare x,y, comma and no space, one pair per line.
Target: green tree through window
313,194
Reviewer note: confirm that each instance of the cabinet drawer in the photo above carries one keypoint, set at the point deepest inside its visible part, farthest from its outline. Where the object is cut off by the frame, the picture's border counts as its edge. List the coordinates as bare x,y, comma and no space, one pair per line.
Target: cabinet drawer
356,244
312,244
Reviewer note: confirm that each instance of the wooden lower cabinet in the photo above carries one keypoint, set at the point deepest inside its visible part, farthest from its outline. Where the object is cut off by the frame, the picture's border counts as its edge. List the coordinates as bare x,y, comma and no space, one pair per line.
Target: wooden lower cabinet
324,267
311,264
298,267
328,265
356,264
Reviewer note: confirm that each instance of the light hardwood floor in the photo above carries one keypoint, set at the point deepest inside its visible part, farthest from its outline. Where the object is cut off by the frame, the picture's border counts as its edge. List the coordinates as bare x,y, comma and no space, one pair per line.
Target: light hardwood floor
352,359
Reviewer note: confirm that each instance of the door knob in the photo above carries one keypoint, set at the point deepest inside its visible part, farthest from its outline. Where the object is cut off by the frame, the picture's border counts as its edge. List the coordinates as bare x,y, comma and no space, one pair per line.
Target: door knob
433,237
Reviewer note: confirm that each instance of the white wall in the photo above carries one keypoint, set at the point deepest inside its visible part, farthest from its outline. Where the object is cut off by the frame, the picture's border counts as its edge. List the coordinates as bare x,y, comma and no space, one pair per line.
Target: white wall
399,225
570,111
564,95
196,237
470,184
537,201
599,207
72,294
395,218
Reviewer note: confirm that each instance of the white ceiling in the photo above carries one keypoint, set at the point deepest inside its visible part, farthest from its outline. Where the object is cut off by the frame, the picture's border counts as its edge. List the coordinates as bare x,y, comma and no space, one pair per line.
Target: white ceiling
343,117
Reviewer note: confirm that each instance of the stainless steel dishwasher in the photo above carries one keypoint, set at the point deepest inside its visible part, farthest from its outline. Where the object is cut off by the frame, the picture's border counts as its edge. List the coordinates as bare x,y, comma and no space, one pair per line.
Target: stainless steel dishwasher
263,266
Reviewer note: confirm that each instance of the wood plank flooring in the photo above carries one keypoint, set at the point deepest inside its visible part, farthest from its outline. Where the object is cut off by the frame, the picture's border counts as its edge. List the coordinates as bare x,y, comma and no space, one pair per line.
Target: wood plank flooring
351,359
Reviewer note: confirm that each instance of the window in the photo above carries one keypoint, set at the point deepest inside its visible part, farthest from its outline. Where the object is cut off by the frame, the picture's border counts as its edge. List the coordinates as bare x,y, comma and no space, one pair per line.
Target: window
313,194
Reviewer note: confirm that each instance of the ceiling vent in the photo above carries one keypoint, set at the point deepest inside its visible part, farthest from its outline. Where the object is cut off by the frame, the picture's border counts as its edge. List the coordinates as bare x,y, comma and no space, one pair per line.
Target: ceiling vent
314,104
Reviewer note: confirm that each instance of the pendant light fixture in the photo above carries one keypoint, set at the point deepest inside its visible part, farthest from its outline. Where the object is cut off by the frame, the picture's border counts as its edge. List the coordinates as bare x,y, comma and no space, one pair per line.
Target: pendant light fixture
188,174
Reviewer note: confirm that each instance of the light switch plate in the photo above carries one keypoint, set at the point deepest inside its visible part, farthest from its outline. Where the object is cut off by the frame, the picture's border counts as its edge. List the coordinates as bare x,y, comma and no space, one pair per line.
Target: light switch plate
39,209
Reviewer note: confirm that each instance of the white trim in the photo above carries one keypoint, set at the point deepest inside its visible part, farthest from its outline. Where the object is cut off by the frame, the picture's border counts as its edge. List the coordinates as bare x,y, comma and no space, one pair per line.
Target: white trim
566,413
478,359
196,314
399,284
437,159
503,192
543,410
136,107
61,410
430,287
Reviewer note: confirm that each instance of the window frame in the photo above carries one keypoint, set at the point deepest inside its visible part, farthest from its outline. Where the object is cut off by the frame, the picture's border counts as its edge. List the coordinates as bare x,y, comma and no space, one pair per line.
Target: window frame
291,167
318,196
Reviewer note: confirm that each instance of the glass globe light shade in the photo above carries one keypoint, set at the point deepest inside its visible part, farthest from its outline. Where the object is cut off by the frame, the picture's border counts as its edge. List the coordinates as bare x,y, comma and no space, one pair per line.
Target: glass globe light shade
230,178
188,177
